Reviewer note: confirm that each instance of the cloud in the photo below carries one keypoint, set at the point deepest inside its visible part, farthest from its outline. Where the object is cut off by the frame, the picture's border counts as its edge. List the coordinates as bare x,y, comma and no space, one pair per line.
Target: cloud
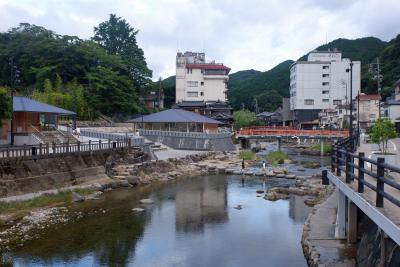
243,34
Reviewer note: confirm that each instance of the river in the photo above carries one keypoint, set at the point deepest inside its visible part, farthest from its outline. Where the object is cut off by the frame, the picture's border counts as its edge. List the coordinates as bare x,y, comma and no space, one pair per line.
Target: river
193,222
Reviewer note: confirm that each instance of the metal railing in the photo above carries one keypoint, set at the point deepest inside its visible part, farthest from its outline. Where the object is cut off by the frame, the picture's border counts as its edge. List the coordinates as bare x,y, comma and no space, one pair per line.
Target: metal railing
50,150
184,134
292,132
343,160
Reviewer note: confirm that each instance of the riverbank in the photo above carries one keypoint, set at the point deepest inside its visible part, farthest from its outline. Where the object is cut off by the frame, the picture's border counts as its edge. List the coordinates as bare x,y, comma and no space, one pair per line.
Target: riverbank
19,227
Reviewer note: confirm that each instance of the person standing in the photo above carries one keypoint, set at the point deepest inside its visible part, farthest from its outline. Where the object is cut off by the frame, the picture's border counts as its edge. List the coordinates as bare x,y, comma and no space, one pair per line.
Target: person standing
243,166
264,165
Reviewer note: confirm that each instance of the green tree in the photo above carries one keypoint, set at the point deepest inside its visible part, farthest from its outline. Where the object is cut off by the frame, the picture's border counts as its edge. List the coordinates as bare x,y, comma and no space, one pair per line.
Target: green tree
58,84
117,37
244,118
381,132
5,105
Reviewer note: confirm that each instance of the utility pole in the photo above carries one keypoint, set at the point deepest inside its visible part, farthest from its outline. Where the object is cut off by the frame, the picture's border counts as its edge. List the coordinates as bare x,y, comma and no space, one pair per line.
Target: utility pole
256,105
351,98
159,93
379,85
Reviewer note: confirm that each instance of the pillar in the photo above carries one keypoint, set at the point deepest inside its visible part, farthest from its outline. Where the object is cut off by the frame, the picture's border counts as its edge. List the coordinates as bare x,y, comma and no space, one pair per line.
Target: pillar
279,144
340,231
352,223
322,147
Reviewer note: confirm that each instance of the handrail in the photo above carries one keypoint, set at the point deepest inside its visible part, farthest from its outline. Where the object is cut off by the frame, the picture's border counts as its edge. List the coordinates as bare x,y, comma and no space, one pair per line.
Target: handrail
49,150
342,159
291,132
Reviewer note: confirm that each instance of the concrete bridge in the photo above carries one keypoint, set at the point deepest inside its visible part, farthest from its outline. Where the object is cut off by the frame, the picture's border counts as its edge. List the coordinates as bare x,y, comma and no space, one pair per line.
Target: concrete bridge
366,187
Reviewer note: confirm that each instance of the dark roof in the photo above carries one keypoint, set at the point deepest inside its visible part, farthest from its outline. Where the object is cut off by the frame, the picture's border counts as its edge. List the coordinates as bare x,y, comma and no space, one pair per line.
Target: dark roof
208,66
191,104
175,115
369,97
392,102
397,83
26,104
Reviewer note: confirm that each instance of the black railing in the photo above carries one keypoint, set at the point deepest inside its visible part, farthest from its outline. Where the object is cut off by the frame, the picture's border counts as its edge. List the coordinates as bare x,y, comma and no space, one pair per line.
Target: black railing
49,150
343,160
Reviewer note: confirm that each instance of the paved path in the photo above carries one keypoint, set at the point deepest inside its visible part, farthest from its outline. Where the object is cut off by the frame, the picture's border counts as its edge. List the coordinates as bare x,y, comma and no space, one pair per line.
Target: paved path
389,210
332,251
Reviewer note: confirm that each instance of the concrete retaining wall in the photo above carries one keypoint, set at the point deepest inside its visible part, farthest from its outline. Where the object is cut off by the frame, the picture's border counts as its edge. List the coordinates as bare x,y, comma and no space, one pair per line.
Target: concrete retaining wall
27,176
191,141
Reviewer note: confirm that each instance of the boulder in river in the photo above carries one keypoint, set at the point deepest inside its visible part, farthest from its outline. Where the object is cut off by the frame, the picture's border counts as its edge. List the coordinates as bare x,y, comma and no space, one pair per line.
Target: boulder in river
238,207
146,201
133,180
138,209
77,197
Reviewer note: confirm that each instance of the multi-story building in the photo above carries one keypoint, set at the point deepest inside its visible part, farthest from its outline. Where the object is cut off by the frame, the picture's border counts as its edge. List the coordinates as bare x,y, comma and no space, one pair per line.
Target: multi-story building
197,80
391,106
202,87
321,83
368,109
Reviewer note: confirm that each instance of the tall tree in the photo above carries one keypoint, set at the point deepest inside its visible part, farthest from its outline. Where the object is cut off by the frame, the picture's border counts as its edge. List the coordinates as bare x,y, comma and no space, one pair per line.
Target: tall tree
5,105
117,37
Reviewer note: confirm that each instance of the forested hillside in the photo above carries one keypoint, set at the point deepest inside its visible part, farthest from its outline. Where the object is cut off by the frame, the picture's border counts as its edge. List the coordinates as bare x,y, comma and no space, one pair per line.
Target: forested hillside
104,74
268,88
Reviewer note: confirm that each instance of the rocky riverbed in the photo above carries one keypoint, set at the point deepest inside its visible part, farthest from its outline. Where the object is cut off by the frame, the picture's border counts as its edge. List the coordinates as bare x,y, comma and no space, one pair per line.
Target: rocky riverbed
124,175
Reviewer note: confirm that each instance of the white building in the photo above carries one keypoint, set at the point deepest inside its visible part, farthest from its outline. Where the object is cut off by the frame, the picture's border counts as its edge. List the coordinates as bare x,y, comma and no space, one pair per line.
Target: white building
320,83
197,80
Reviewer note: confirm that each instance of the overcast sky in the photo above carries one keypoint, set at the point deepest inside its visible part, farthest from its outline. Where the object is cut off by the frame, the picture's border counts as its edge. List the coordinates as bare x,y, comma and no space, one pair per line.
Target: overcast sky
243,34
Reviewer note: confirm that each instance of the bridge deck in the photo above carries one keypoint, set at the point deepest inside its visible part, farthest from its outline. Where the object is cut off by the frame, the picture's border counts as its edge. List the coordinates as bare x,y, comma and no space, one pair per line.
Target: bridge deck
287,132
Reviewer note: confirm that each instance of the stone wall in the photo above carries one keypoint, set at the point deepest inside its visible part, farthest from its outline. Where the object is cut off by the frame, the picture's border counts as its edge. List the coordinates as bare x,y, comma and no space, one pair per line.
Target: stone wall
28,176
369,252
191,141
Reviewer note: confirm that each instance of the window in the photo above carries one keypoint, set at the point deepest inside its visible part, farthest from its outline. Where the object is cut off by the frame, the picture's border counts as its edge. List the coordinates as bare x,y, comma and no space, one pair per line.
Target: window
325,92
325,100
192,83
325,83
202,93
325,75
309,102
192,94
189,70
325,67
372,116
337,101
201,83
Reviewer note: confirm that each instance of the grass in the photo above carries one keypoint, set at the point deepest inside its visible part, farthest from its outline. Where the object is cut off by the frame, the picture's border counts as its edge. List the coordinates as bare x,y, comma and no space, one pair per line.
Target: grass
277,157
62,196
248,155
327,148
311,164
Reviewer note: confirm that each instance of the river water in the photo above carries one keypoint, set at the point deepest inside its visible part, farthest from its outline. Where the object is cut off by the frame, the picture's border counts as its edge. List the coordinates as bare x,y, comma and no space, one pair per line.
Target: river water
193,222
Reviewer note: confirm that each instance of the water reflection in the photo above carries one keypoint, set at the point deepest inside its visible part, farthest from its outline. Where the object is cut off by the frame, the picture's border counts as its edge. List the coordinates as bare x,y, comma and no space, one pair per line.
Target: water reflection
198,205
298,211
192,223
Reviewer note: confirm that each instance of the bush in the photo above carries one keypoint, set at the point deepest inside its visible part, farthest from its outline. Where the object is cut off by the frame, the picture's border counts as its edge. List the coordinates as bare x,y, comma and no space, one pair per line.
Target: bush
327,148
381,132
248,155
277,157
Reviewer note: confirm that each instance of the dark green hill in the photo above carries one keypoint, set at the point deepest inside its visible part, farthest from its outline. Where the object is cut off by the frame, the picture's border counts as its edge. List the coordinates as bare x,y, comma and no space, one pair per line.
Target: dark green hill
267,87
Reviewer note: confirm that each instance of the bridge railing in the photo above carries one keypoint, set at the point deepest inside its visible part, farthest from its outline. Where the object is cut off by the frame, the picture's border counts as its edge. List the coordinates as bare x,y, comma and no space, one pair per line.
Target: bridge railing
50,150
343,160
293,132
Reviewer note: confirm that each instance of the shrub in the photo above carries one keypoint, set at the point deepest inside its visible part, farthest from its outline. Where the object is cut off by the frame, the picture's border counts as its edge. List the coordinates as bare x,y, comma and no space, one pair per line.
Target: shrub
277,157
327,149
248,155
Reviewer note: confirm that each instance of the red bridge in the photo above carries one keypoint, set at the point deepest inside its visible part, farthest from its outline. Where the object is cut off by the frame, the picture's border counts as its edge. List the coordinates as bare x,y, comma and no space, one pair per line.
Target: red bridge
288,132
